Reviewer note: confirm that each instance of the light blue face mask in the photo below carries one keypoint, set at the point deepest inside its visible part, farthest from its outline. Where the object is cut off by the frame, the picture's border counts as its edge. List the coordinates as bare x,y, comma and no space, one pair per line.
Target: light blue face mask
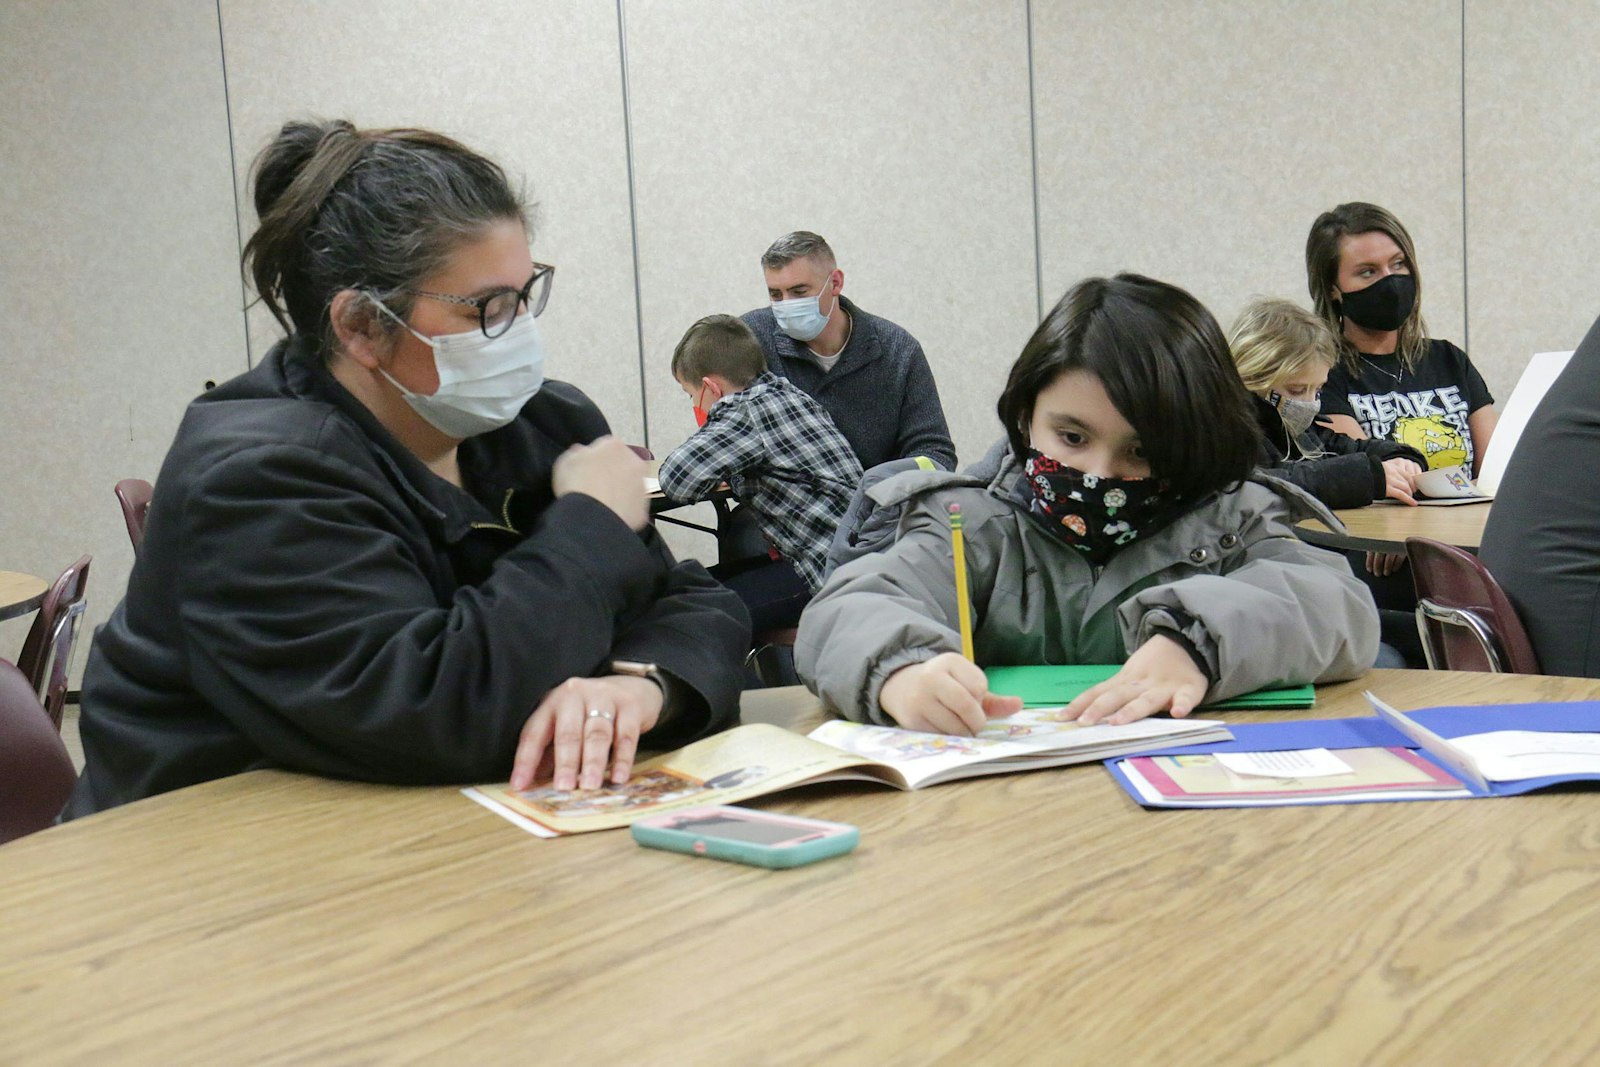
483,382
802,318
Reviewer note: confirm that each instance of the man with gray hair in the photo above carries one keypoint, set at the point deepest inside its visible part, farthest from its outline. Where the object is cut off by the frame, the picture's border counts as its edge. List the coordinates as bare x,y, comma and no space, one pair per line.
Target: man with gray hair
866,372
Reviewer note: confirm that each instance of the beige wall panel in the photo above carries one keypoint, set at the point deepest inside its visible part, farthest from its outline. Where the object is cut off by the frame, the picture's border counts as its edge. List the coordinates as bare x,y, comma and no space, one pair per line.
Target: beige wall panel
118,290
535,86
897,131
1533,151
1197,141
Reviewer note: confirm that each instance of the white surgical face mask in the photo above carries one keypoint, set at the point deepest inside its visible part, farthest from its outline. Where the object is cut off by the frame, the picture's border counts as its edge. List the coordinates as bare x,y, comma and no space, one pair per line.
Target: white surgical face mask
483,382
802,318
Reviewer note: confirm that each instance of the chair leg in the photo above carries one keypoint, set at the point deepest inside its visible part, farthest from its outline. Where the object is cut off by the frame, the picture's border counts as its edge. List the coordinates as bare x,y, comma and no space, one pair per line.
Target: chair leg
1427,643
771,665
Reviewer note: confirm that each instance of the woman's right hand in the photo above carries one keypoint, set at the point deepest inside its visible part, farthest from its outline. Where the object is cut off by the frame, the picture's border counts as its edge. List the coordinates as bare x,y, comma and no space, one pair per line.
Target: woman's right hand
609,471
1400,480
947,694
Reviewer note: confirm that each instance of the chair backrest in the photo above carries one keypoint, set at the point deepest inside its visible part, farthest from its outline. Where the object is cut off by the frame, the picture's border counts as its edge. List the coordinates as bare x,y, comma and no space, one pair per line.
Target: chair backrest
1466,621
134,496
47,651
642,452
36,773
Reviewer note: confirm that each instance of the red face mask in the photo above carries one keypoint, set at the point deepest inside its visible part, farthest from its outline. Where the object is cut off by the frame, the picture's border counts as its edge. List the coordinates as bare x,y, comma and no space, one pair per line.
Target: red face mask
700,413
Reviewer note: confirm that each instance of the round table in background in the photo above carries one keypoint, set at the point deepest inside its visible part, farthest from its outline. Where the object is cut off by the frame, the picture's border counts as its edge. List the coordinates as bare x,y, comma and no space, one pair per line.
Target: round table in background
20,593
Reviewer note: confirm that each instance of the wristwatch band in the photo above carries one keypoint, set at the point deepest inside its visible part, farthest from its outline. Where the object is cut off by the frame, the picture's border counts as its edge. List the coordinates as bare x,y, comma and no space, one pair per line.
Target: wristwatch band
639,669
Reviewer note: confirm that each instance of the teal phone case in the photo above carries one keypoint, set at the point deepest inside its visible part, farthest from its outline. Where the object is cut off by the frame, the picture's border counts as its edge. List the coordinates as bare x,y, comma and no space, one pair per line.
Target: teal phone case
773,856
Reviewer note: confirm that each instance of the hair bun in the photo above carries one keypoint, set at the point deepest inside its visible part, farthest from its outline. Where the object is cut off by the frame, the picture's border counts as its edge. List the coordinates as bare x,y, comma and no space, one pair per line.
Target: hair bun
283,160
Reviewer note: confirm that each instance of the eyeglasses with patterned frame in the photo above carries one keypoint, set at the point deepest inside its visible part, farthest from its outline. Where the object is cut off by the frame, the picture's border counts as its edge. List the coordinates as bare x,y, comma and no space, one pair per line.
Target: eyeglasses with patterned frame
498,310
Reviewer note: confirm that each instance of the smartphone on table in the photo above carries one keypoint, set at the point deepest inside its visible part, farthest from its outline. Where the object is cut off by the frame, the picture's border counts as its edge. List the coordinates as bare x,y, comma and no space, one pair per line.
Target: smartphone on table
745,835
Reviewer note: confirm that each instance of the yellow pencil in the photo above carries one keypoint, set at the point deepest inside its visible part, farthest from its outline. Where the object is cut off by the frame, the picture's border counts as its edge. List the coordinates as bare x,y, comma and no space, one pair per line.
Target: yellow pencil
963,601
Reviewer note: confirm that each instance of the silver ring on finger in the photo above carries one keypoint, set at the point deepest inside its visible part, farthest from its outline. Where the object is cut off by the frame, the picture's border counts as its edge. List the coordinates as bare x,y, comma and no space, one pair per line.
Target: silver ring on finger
600,713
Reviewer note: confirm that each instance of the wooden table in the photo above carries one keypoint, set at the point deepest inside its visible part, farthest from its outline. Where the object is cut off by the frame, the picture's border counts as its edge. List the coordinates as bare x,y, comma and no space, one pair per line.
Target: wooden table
1040,917
20,593
1384,528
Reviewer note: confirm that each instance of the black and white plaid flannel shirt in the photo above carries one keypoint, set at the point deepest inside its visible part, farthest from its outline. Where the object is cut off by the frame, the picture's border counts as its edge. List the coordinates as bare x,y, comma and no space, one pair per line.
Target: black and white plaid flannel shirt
782,456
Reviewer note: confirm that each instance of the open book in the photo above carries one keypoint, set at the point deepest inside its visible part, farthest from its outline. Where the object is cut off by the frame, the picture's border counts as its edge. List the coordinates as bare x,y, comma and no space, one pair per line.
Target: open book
1434,754
756,759
1445,487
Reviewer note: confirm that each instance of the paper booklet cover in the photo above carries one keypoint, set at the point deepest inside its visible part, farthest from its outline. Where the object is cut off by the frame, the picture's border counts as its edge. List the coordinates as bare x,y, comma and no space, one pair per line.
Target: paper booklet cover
1447,753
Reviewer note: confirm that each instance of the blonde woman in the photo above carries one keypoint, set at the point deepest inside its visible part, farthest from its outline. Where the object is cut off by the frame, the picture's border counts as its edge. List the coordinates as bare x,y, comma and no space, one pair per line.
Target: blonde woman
1392,380
1284,354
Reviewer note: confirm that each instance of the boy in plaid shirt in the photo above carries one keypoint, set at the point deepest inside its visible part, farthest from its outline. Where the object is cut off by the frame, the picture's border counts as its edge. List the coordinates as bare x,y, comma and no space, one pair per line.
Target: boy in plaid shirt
779,452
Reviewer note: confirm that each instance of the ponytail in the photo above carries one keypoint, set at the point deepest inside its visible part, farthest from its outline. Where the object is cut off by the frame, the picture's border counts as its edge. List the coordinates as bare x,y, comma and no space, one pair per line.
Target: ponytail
343,208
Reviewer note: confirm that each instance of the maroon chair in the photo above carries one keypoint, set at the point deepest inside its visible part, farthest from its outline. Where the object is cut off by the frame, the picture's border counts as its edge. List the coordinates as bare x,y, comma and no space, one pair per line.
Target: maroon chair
47,650
36,774
134,496
642,452
1466,621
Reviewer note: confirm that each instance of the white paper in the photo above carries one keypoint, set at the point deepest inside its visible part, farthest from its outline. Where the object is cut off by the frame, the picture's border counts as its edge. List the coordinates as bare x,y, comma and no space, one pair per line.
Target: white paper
1447,483
652,485
516,817
1512,755
1541,371
1298,763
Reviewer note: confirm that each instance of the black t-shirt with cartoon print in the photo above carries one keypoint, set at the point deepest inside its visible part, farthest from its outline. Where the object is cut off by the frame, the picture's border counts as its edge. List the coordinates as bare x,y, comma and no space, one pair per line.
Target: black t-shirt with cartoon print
1425,408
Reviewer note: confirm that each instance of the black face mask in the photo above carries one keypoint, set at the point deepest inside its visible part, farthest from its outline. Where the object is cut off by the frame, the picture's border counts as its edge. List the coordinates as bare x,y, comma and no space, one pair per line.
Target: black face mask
1382,306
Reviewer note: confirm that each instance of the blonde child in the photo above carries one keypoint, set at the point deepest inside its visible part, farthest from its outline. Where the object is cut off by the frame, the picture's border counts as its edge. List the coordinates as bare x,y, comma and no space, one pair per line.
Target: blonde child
1284,354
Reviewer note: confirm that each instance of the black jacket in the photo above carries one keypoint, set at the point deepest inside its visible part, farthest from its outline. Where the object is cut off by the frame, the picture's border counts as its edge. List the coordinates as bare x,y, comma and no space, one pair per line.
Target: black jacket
1340,471
1542,540
309,596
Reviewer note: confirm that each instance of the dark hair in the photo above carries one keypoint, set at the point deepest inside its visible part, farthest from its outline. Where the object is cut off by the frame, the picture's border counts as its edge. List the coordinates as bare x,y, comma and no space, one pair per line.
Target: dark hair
1322,274
801,244
1165,365
343,208
719,344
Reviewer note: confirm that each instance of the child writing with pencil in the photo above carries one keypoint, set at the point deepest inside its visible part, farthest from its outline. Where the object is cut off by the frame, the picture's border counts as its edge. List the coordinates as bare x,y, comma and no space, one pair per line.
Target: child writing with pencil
1125,525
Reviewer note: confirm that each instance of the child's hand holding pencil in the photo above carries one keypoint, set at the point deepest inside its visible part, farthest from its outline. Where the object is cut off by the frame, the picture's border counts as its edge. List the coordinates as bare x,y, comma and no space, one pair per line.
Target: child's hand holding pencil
948,694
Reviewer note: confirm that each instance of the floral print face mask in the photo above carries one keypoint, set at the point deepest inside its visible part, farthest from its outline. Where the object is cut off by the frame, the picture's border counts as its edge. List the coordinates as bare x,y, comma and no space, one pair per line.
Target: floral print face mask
1094,515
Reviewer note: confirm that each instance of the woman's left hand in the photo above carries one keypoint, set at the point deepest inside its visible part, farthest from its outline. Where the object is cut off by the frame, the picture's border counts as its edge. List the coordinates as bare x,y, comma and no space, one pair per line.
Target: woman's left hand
1159,675
581,726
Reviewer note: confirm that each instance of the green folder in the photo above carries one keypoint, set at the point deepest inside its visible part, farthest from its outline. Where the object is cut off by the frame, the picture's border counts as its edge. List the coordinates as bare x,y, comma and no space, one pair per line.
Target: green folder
1048,687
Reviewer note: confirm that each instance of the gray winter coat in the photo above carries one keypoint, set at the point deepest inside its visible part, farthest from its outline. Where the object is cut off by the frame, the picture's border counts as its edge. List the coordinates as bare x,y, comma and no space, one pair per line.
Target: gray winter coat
1260,606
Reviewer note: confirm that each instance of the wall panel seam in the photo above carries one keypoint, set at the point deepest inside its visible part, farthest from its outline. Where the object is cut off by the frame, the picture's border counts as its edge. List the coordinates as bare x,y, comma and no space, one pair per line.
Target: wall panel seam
1466,305
633,216
1033,152
233,176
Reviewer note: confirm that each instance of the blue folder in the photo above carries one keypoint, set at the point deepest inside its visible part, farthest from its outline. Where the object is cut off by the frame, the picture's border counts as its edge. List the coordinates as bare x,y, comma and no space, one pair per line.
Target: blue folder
1373,732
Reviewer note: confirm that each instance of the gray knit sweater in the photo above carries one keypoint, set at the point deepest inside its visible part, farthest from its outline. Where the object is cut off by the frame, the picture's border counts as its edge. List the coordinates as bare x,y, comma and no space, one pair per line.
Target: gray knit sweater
881,393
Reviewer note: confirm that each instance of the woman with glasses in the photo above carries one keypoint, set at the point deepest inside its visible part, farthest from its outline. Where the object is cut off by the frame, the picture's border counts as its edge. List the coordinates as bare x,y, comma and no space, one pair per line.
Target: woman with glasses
393,551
